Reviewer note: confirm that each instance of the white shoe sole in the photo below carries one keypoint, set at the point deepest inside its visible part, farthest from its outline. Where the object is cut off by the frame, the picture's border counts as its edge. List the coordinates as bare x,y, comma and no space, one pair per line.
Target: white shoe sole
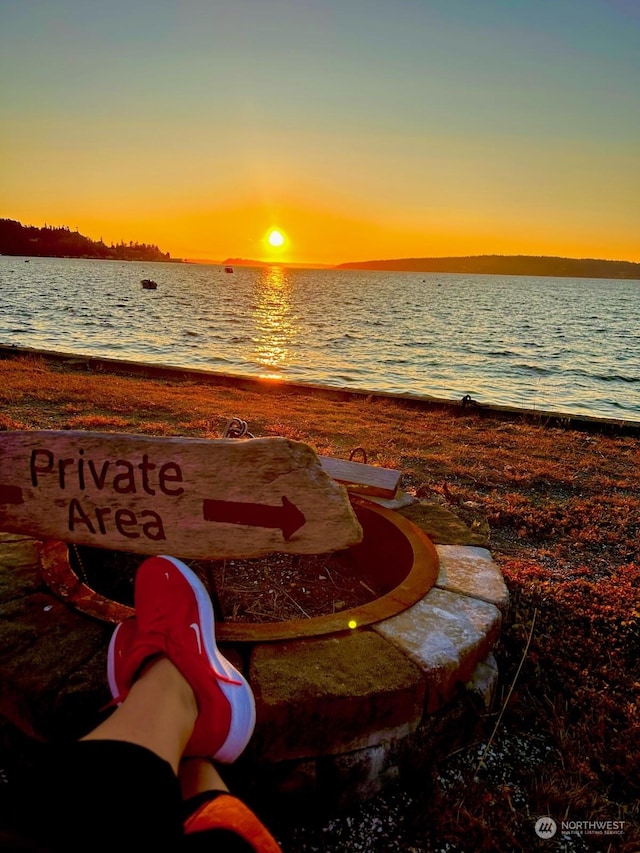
239,696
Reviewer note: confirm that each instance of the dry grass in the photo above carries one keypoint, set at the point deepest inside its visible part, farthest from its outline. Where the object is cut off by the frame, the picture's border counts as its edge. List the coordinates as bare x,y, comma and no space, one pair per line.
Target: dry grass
563,510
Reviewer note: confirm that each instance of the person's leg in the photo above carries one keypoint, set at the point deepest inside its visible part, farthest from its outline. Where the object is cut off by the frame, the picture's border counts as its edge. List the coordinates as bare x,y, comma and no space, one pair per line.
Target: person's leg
117,786
214,816
174,616
159,713
199,775
97,795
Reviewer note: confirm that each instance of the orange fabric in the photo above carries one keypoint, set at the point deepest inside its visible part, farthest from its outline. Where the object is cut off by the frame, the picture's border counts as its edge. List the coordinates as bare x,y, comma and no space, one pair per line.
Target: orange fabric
228,812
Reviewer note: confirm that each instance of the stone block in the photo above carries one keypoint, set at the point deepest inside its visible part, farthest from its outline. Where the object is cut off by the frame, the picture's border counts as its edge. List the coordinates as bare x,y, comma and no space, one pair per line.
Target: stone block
19,568
50,658
446,635
276,788
332,695
484,680
356,776
473,572
441,525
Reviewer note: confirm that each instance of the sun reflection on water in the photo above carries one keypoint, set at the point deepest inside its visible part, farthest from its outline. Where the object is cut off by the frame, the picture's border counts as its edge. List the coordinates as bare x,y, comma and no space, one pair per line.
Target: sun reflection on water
275,323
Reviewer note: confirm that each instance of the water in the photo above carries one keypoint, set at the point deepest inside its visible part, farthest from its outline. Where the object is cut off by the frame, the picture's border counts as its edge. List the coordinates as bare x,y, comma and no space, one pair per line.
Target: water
566,345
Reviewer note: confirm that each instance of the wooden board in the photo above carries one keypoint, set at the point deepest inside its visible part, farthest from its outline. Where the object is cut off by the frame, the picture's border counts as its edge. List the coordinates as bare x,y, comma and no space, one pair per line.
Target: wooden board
179,496
362,479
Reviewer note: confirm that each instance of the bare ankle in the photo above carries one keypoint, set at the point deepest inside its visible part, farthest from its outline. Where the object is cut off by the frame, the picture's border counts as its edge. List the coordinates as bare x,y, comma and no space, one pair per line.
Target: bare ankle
163,670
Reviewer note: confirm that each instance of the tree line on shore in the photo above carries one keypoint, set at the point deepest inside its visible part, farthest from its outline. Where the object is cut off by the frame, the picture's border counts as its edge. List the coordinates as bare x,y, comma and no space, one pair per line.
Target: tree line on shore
60,242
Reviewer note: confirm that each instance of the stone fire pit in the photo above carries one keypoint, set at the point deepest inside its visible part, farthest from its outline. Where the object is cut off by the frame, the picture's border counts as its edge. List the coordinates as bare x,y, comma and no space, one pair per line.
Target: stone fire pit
346,703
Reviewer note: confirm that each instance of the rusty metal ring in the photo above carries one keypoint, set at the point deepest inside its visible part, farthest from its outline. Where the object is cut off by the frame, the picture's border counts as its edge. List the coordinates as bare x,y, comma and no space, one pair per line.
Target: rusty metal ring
404,555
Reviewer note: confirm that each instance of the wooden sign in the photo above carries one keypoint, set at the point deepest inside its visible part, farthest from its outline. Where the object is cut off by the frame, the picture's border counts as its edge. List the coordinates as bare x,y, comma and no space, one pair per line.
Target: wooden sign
179,496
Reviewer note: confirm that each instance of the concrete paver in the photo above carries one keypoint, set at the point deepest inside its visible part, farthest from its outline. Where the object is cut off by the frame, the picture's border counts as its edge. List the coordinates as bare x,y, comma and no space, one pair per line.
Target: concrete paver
471,571
446,635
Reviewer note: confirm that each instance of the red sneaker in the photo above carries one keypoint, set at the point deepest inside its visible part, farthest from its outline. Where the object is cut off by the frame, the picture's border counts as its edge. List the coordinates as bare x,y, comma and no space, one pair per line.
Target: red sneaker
174,618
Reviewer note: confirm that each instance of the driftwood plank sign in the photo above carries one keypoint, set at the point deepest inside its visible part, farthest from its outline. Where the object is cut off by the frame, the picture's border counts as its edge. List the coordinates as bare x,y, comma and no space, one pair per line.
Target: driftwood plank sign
180,496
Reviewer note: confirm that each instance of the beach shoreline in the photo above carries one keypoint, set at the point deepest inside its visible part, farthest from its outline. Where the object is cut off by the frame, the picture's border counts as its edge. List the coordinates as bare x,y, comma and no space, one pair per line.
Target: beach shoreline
149,370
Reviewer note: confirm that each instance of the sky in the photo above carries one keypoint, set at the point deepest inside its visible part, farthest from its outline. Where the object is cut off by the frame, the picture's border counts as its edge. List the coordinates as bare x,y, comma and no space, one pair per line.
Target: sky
362,129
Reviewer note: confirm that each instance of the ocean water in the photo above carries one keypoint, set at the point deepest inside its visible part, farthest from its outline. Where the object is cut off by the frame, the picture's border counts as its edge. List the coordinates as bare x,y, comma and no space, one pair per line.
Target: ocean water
550,344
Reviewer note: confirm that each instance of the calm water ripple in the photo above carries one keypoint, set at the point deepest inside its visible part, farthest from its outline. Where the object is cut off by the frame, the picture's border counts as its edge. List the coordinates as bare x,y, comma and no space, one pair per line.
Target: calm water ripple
567,345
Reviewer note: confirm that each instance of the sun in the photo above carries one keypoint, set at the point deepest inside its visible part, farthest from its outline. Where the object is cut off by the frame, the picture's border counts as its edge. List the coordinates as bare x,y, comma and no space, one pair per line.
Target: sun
275,238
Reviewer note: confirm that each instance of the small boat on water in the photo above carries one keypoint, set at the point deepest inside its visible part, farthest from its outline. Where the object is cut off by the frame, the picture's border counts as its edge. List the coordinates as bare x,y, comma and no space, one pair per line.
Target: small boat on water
228,269
148,284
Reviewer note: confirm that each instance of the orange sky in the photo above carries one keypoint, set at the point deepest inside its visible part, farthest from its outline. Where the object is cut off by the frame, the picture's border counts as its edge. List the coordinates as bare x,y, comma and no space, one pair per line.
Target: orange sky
362,130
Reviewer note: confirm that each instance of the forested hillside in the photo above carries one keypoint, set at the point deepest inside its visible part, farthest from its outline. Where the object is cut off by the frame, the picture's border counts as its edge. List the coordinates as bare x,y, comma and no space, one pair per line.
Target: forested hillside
60,242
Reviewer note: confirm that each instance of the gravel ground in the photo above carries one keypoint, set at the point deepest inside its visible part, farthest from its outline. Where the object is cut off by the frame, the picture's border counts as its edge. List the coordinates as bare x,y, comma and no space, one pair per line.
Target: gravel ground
398,822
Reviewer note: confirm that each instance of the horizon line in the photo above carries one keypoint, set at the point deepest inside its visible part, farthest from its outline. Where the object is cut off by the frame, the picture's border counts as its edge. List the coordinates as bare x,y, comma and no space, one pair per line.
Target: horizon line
318,265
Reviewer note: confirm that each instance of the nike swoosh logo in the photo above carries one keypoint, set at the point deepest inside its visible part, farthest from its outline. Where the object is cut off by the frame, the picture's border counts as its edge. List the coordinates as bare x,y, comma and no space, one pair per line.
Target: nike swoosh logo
196,630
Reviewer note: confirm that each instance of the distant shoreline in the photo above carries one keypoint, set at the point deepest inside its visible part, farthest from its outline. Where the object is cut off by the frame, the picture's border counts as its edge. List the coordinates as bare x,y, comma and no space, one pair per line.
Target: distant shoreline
516,265
521,265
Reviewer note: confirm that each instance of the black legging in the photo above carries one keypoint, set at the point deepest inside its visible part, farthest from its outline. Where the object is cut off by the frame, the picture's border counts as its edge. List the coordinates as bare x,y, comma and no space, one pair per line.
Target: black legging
105,796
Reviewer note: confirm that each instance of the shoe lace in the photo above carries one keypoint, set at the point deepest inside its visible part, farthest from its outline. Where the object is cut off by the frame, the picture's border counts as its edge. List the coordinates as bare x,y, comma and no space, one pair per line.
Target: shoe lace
227,679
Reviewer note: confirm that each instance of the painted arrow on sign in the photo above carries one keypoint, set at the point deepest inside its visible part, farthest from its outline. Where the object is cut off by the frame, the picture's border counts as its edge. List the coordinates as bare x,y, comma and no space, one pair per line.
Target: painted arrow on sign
286,517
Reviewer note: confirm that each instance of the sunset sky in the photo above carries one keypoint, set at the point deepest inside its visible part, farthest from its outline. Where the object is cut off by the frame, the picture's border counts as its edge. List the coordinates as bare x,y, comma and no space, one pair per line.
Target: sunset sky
361,129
